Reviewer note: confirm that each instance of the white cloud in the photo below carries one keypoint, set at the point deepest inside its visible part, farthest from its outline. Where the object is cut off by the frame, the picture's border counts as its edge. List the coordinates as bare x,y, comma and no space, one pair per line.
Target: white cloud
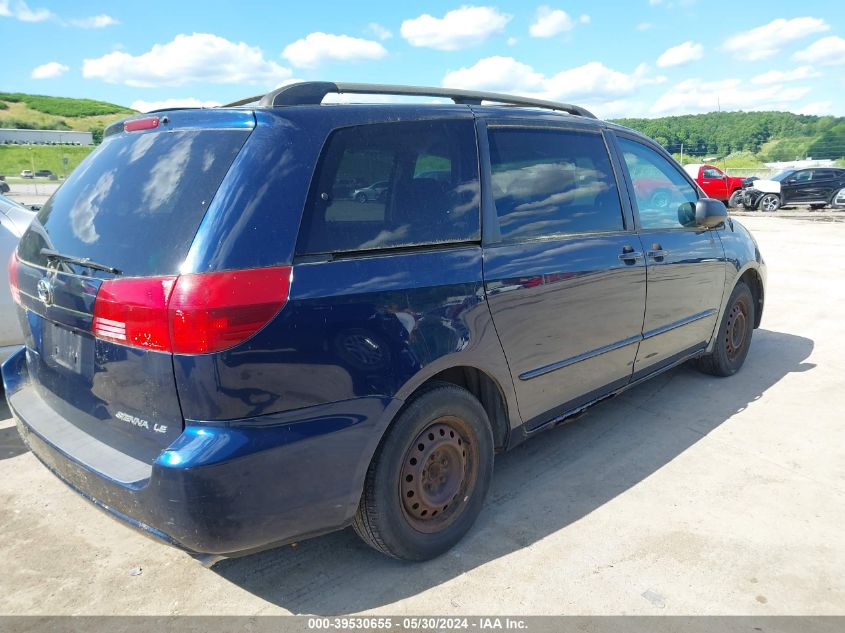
549,22
19,10
680,54
379,31
512,41
593,85
188,102
828,51
318,48
818,108
187,58
94,22
768,40
644,26
694,95
460,28
778,76
584,18
50,70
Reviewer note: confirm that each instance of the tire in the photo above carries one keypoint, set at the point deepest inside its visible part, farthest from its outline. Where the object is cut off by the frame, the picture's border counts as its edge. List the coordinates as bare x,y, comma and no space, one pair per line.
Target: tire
769,202
838,199
361,197
427,481
733,201
733,338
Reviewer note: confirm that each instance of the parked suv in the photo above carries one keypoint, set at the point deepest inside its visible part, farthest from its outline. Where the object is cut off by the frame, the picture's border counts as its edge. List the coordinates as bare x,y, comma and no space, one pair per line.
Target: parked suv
816,187
226,355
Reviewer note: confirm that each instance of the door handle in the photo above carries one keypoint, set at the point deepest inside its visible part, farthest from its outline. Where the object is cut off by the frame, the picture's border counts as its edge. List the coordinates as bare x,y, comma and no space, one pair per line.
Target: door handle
628,254
656,252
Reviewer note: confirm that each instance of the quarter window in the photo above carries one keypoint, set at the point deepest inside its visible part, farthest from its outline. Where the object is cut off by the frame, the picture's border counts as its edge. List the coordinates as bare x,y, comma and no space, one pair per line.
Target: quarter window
665,199
391,185
549,182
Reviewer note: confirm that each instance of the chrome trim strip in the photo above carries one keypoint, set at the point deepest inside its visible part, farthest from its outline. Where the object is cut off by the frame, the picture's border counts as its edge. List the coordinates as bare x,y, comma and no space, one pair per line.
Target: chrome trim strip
528,375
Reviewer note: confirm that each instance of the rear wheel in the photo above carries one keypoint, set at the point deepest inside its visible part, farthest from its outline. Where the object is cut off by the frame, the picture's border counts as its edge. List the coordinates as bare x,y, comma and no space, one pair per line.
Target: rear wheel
428,479
733,338
769,202
735,200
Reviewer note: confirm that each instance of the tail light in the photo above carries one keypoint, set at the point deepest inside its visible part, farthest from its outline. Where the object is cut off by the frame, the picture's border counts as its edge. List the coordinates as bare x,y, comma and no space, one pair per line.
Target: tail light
14,284
190,314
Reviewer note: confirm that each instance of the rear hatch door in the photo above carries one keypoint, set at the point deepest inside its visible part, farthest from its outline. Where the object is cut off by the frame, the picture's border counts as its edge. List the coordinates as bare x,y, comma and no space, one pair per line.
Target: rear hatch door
130,210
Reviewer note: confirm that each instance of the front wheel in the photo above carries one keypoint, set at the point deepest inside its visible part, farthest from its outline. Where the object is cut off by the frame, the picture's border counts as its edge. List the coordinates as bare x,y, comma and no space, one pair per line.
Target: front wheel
769,202
427,481
361,197
733,338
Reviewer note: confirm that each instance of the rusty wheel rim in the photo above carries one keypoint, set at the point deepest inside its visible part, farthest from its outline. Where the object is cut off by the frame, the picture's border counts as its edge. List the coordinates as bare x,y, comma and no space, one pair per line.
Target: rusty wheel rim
736,330
438,475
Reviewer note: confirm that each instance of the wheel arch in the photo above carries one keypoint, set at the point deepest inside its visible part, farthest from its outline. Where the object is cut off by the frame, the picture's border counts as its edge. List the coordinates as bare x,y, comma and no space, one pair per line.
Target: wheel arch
751,277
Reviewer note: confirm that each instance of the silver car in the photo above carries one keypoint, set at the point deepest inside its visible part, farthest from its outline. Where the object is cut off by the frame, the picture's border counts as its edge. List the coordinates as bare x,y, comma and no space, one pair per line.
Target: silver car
14,219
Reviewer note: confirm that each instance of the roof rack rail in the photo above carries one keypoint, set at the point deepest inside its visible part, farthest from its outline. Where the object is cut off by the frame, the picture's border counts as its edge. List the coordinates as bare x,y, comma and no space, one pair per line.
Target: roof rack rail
313,93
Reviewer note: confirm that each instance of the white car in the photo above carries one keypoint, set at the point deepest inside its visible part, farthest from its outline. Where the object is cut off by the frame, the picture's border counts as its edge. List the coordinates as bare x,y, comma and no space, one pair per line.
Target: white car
14,219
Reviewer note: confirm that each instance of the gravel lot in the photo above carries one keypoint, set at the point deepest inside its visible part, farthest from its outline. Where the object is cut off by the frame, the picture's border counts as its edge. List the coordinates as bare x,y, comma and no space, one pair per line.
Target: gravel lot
687,495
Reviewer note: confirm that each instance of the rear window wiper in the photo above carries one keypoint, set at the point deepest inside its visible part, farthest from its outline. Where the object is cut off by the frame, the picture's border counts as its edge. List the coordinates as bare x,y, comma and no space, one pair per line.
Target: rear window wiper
80,261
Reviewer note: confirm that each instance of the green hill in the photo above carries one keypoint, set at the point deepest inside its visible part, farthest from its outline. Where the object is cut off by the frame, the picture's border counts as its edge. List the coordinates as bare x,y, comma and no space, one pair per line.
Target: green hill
39,112
25,111
765,136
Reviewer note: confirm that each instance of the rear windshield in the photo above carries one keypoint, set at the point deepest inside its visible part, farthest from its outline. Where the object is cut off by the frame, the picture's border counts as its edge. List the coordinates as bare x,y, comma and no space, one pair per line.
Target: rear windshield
136,202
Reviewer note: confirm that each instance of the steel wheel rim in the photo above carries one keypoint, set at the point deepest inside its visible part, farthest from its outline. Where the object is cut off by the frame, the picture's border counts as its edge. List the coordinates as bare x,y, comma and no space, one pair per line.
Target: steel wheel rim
438,475
736,330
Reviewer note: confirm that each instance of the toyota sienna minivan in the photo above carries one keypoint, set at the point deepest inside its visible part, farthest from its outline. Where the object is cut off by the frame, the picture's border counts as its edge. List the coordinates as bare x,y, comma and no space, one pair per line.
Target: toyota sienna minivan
228,349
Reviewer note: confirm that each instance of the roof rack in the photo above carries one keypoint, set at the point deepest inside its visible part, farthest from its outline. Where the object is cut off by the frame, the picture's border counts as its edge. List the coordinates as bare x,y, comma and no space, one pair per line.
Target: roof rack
313,93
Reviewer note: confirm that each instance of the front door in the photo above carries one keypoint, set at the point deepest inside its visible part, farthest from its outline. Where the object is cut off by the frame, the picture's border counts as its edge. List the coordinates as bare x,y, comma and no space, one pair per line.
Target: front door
685,263
797,187
564,275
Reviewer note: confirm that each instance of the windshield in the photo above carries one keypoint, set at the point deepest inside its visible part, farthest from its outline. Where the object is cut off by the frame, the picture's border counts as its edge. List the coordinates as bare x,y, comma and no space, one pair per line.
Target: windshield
783,175
136,202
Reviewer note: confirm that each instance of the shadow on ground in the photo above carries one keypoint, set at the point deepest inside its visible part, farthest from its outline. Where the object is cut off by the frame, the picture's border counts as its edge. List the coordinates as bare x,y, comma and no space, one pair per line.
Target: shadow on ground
539,488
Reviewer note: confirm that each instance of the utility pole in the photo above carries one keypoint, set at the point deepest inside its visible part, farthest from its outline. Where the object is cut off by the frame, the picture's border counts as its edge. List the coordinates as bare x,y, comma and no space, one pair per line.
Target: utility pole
682,154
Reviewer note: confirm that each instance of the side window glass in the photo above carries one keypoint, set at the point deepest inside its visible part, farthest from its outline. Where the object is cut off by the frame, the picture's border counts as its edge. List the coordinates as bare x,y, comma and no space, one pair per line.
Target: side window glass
803,176
548,182
389,185
711,173
664,197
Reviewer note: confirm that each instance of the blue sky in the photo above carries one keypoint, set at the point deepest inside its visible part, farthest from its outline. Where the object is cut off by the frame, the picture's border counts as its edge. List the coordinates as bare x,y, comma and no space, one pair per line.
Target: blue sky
634,58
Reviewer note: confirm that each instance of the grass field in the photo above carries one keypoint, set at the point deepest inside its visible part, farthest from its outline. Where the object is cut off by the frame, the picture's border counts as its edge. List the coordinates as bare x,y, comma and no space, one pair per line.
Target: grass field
14,158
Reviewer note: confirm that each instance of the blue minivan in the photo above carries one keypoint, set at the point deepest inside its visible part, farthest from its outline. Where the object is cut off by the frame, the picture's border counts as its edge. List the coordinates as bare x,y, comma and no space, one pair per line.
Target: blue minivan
228,349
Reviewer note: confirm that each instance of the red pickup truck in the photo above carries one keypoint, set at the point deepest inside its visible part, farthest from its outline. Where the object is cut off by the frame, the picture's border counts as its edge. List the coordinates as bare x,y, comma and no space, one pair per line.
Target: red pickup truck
715,183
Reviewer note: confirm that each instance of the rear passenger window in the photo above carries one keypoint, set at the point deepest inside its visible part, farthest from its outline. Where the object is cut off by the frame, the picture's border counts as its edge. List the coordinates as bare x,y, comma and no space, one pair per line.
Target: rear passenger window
548,182
394,184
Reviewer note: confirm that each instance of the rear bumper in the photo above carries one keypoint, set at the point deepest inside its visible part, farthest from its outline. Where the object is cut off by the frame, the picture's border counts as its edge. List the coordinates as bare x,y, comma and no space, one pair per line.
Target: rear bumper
223,489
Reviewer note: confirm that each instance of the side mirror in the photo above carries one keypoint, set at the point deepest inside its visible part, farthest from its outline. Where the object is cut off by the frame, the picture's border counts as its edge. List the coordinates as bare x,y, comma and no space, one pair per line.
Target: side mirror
710,213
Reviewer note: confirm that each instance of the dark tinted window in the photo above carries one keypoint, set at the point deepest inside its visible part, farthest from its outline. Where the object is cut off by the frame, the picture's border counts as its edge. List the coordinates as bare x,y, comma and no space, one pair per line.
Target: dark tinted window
394,184
824,174
665,199
136,202
547,182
